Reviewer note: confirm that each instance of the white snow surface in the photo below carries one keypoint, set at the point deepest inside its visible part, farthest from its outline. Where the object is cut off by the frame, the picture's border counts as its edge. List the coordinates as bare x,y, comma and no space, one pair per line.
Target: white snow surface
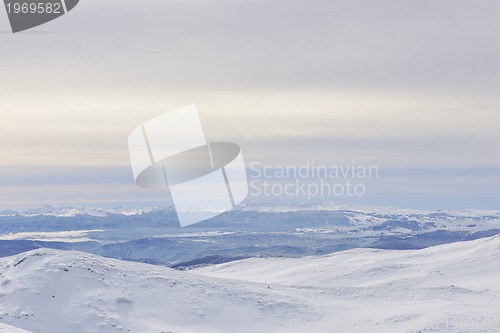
52,236
10,329
448,288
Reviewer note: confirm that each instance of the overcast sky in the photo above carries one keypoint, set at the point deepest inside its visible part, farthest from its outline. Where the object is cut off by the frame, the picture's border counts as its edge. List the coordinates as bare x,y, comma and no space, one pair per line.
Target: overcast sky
409,86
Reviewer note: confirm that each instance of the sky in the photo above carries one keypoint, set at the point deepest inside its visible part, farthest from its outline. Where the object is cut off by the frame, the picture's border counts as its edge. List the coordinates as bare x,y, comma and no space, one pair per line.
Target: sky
411,87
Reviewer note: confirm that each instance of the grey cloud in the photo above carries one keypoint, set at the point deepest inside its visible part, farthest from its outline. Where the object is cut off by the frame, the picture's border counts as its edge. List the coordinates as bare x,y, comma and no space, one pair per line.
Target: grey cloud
124,50
267,44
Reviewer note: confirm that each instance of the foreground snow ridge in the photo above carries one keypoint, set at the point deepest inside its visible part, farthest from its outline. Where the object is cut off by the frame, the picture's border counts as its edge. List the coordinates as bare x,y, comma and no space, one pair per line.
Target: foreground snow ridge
448,288
9,329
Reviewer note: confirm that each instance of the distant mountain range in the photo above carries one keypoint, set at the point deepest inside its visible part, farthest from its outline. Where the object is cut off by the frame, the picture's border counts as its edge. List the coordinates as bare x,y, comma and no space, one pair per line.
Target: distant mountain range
259,230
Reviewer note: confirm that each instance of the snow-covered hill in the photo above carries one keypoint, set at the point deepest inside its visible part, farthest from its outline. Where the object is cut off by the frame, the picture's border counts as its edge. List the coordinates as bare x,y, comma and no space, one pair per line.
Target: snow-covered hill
9,329
449,288
473,265
54,291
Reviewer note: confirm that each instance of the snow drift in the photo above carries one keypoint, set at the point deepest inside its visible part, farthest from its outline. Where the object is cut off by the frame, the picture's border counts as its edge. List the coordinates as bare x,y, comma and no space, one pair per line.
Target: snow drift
448,288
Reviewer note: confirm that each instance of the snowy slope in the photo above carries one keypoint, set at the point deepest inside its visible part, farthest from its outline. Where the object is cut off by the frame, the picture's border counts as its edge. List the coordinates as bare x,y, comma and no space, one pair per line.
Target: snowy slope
471,264
449,288
54,291
9,329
